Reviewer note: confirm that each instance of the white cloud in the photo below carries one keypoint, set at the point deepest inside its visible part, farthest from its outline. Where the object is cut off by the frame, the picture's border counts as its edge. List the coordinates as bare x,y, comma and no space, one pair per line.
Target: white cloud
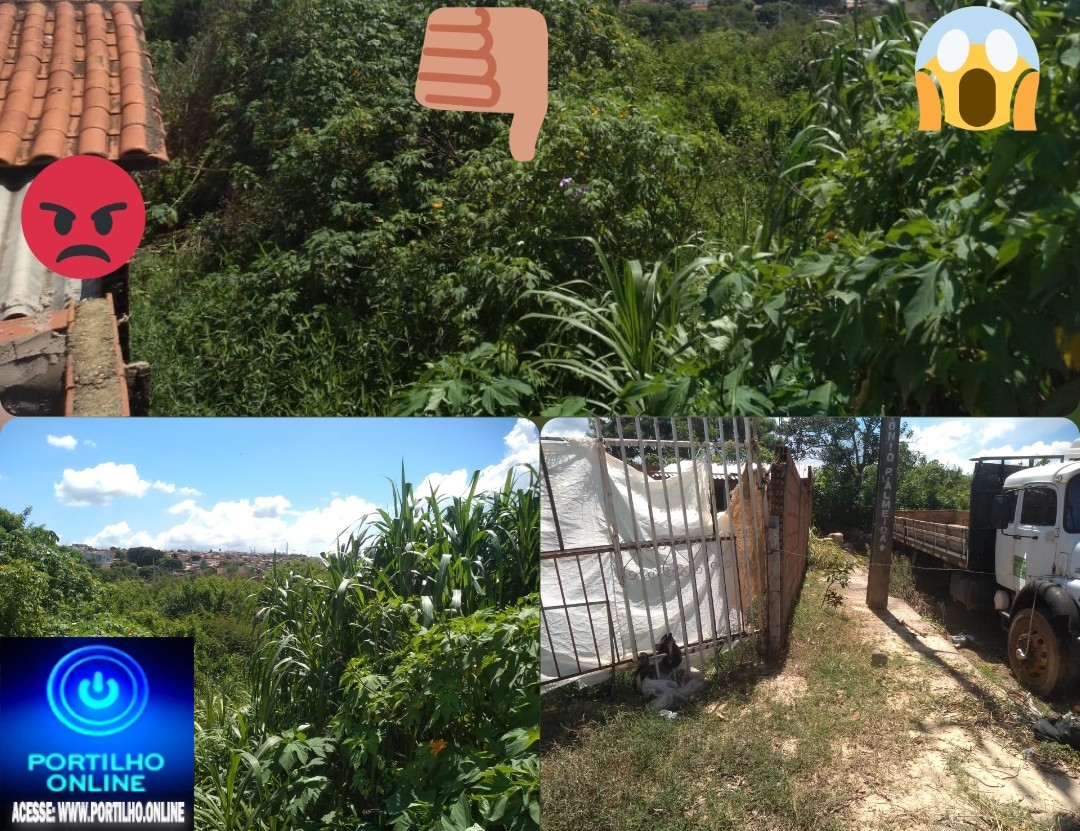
166,487
571,428
271,506
89,442
264,523
65,442
522,448
956,442
99,485
996,428
110,535
1036,449
941,441
268,523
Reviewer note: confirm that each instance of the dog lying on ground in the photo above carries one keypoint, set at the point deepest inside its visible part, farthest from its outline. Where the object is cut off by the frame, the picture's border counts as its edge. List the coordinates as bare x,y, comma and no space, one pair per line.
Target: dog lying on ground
665,665
662,678
671,663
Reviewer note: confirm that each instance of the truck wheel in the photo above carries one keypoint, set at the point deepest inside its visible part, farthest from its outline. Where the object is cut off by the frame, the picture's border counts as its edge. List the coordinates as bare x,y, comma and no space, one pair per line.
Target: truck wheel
1046,667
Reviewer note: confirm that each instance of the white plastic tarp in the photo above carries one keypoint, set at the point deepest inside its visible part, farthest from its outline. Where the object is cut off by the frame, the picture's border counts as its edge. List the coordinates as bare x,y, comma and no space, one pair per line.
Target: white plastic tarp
652,587
575,465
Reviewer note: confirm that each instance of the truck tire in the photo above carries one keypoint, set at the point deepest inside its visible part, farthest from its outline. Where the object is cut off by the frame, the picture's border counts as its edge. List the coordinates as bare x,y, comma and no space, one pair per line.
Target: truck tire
1048,666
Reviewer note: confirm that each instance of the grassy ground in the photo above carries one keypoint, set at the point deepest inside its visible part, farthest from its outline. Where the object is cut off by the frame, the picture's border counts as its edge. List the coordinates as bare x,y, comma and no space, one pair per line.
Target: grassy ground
800,743
742,757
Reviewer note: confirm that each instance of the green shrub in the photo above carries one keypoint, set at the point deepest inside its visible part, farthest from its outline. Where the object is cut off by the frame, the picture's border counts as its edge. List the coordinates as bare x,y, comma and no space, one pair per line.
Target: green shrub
451,732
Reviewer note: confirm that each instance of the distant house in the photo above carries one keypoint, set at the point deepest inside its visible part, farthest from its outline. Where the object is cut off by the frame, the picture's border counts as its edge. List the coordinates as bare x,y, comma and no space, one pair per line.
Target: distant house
98,556
75,78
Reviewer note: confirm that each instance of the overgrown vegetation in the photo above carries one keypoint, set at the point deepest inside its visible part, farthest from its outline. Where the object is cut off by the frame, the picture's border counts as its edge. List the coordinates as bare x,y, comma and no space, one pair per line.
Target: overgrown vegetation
392,684
772,232
836,566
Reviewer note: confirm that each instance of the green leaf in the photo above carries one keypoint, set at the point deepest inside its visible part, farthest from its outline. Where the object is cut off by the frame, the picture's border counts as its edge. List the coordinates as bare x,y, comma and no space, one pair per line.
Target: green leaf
922,305
574,405
1010,248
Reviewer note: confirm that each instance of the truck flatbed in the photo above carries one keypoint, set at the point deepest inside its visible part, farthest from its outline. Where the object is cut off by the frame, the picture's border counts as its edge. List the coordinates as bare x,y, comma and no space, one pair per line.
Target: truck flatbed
941,534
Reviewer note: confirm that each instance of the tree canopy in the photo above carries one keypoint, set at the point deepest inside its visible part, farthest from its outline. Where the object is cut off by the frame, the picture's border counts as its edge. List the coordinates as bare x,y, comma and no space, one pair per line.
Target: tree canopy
846,483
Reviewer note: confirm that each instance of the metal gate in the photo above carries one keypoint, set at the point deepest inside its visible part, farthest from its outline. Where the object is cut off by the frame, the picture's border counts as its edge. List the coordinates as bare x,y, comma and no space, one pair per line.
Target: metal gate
650,526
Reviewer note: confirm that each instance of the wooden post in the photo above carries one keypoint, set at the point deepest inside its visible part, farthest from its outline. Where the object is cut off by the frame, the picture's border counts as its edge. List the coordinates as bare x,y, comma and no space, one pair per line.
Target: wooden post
775,582
877,587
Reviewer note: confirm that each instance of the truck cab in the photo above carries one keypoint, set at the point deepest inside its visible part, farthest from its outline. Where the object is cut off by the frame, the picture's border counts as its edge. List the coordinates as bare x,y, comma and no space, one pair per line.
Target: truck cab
1037,569
1040,530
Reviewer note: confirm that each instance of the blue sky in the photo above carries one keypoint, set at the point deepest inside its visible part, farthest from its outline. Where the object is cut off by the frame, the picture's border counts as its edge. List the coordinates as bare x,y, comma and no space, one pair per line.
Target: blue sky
951,441
954,441
239,483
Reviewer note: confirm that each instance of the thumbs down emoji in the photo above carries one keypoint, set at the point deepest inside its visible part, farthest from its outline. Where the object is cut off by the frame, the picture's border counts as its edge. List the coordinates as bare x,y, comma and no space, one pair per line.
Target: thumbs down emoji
488,60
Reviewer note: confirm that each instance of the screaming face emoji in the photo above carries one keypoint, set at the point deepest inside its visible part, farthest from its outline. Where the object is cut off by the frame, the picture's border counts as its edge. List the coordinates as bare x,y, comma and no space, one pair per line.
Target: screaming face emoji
979,57
83,217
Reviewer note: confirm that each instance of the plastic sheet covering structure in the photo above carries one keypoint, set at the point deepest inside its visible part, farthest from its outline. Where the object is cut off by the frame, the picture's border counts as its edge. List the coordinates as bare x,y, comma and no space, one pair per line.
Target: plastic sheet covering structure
632,550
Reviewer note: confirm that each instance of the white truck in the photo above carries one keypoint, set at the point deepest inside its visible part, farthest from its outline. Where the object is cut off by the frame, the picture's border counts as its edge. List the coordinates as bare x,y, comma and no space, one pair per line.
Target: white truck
1017,550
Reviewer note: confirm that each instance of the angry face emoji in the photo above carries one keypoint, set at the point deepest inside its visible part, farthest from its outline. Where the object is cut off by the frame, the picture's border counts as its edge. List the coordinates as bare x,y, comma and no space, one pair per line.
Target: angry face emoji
83,217
979,57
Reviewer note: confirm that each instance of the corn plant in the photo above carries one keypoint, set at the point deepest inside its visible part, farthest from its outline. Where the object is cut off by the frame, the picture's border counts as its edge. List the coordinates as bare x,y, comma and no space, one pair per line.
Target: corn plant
629,344
430,584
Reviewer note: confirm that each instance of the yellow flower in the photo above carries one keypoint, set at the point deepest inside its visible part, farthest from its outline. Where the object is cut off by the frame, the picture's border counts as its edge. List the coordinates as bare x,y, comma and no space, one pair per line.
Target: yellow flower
437,204
437,746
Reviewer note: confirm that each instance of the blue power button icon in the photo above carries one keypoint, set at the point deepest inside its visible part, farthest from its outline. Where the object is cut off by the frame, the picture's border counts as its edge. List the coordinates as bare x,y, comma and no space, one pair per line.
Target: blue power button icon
98,690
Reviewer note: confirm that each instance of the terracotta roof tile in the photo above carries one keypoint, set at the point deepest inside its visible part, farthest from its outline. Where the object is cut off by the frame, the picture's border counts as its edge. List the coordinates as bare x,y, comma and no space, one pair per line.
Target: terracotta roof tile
75,77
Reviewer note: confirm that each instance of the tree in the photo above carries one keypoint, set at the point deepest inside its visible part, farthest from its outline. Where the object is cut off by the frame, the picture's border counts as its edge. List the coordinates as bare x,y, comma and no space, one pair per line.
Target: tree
847,445
930,485
119,570
144,556
170,562
847,449
38,576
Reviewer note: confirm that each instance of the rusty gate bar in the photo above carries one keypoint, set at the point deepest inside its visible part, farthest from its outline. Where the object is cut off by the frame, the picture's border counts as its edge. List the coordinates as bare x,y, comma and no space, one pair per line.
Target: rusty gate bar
734,541
757,585
616,544
637,540
652,526
745,573
756,513
752,530
558,534
562,594
671,528
692,600
705,548
566,606
689,545
739,579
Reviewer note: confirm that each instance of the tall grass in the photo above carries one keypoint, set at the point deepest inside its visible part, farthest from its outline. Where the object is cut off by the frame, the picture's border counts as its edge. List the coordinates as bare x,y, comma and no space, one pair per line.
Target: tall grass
433,595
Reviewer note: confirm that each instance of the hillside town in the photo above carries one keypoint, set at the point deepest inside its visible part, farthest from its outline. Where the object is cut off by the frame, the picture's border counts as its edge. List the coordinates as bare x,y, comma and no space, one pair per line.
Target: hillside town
244,564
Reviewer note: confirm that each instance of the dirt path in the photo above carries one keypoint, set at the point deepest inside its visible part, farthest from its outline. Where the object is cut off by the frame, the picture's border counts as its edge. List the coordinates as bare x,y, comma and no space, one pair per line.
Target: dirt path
965,765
